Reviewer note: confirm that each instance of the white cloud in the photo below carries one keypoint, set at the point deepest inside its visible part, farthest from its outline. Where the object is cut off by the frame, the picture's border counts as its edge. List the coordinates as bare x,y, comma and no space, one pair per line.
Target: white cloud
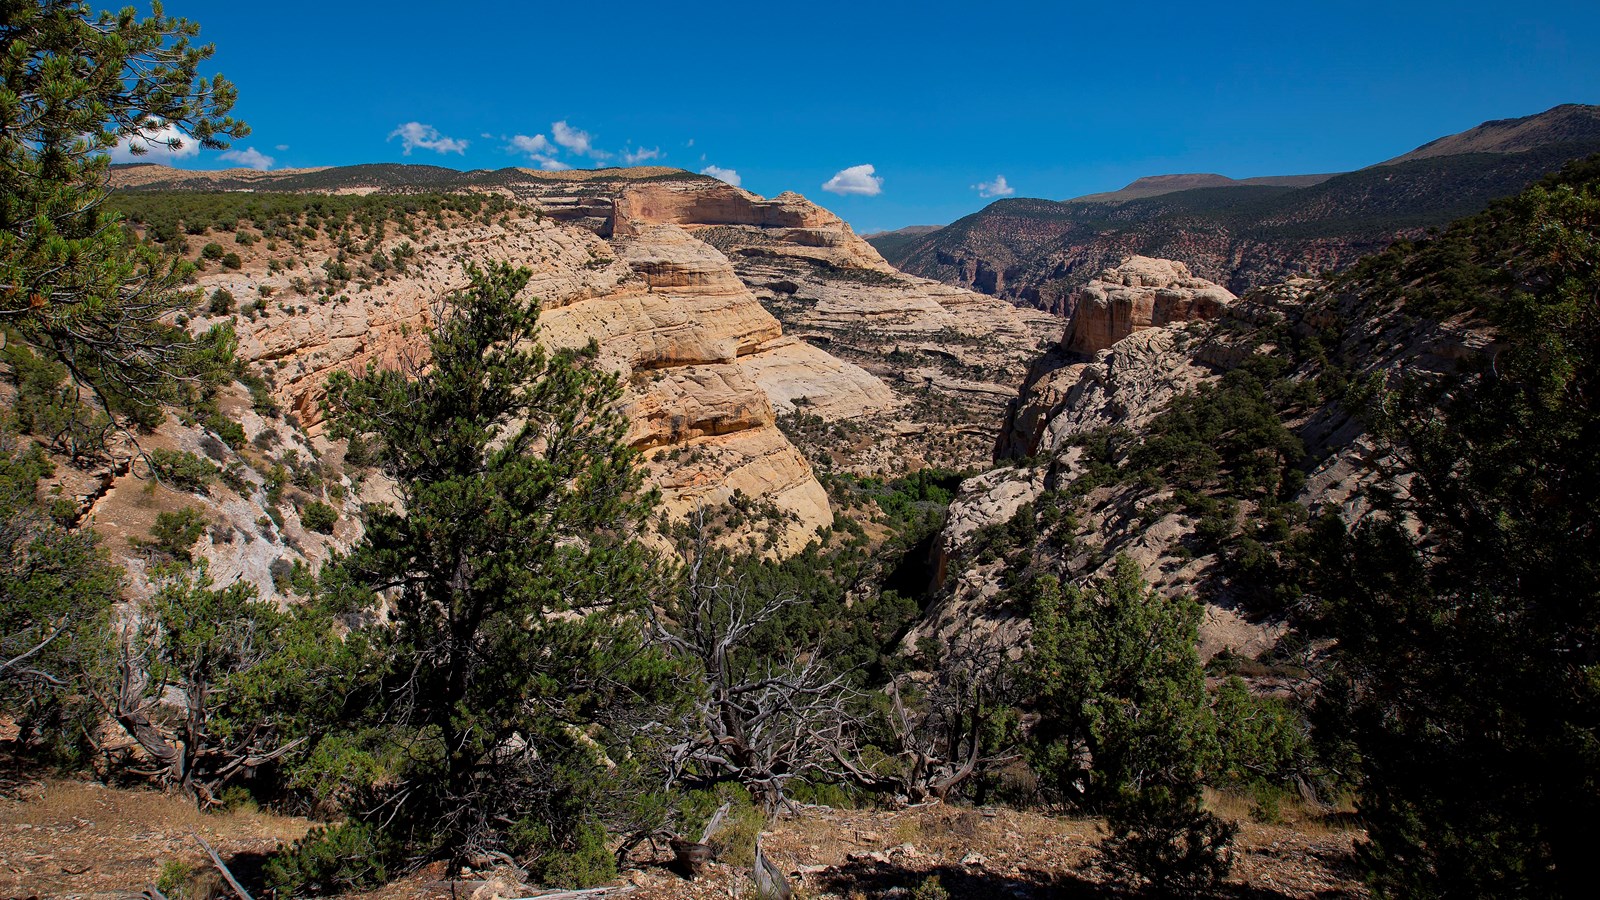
634,157
415,135
250,158
281,147
537,145
857,180
575,140
995,188
721,174
539,149
154,145
691,143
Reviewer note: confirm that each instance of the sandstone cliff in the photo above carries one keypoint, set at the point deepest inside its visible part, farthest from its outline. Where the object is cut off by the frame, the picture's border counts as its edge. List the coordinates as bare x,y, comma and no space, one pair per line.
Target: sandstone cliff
668,312
926,370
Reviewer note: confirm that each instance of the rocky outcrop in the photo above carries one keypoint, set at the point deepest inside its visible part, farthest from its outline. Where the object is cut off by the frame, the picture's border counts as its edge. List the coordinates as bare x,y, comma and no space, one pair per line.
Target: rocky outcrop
1125,386
1138,294
703,203
1081,385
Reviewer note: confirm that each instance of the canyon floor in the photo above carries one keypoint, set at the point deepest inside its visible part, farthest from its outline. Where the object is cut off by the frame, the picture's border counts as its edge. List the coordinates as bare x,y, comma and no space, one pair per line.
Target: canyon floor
66,839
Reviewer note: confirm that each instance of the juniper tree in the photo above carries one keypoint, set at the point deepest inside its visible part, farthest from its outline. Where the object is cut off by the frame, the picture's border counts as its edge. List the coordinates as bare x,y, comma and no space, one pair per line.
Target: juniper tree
1124,729
516,675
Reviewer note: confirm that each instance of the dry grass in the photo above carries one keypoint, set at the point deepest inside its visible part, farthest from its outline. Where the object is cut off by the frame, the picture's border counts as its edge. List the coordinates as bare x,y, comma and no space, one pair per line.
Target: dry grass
78,839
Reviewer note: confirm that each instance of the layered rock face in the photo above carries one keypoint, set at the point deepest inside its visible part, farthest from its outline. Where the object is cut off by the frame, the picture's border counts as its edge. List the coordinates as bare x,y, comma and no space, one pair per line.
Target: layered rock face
668,312
927,369
735,322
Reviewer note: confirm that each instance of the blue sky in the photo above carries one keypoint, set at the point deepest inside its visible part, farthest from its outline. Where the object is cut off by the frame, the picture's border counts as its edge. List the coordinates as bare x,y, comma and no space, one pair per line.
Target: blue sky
940,99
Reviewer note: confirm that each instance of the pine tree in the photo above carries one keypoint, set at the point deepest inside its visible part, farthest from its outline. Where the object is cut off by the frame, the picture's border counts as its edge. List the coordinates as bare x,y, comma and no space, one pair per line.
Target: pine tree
1468,618
516,672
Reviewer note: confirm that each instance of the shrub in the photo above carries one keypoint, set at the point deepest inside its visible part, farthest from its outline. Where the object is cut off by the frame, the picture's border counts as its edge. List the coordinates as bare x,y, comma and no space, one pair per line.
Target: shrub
182,470
231,432
583,860
221,302
213,251
330,860
1168,841
176,532
232,261
319,517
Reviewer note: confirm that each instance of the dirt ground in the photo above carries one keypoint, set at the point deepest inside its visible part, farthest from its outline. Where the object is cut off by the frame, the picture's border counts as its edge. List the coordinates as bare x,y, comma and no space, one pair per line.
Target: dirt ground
84,841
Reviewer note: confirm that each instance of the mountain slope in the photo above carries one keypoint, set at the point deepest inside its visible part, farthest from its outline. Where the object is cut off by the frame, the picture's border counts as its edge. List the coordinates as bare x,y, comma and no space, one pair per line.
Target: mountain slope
1036,252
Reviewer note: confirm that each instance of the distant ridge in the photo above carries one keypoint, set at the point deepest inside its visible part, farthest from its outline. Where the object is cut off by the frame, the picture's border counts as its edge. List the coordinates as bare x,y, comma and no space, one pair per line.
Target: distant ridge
1569,123
889,241
372,178
1246,232
1156,185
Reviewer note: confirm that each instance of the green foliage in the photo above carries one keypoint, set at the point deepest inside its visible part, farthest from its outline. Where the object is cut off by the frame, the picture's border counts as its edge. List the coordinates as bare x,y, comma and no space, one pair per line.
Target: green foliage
583,859
516,579
48,407
1466,618
1161,837
176,532
221,302
930,889
164,216
78,289
56,591
1124,728
1259,739
231,432
734,842
182,470
331,860
319,517
256,682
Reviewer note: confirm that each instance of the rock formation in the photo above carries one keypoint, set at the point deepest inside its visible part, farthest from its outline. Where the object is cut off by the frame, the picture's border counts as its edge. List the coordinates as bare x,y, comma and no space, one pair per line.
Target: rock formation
1138,294
1117,362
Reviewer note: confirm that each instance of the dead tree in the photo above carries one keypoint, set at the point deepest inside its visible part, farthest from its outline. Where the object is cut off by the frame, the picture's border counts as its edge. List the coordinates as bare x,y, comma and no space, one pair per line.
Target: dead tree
940,742
759,722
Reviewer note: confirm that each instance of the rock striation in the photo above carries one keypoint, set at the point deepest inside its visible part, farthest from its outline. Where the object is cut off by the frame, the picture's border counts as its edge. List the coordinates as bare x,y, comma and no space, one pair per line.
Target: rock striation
924,369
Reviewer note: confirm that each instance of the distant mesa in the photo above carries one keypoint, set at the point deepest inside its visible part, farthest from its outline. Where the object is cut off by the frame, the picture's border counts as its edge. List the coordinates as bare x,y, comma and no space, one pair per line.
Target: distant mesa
374,178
